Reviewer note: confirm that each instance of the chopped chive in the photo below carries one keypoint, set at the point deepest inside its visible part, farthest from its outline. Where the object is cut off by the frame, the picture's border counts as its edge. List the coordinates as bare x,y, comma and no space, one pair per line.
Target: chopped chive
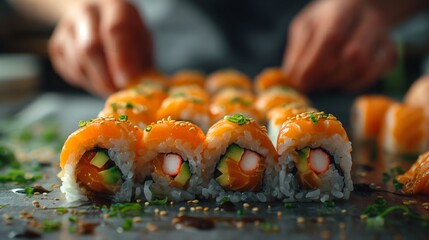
123,118
240,212
238,118
329,204
114,107
49,225
162,201
128,224
129,105
2,205
224,200
240,101
61,211
386,177
82,123
313,118
73,218
289,205
398,186
29,191
269,227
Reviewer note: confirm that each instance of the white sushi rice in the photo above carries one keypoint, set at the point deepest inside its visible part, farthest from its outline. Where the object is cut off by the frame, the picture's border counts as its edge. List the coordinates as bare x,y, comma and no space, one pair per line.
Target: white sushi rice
119,154
334,184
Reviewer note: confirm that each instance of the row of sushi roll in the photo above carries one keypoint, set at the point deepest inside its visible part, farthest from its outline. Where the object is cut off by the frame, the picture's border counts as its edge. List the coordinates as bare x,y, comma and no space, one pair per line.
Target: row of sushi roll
399,128
194,136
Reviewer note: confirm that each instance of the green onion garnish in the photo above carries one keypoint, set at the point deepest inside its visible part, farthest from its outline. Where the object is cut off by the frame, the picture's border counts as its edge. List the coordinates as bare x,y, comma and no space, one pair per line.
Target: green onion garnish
114,107
123,118
313,118
129,105
238,118
82,123
162,201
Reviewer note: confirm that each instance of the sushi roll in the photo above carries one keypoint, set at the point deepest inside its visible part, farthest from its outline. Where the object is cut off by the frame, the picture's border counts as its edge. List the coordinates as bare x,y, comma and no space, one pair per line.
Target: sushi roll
140,108
405,130
171,163
416,179
367,116
270,77
189,91
278,115
277,96
151,78
187,78
315,158
239,161
186,108
232,101
417,94
98,160
223,79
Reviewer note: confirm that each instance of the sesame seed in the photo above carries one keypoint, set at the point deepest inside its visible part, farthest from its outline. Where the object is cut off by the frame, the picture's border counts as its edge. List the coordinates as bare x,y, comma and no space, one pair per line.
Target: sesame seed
199,208
151,227
343,210
255,209
279,213
300,220
55,185
137,219
195,201
269,207
320,220
156,211
182,209
239,224
138,201
7,216
56,199
246,205
36,193
192,209
216,209
206,209
146,203
163,213
44,207
45,194
35,203
257,223
363,216
171,203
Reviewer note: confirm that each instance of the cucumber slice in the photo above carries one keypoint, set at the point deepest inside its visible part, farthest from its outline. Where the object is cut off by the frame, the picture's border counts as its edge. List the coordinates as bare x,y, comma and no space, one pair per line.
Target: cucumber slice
99,159
222,166
302,165
184,175
111,176
223,180
234,152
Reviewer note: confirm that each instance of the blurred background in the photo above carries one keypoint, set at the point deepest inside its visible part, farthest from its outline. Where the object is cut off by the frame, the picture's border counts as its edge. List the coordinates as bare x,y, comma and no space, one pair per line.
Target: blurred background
26,72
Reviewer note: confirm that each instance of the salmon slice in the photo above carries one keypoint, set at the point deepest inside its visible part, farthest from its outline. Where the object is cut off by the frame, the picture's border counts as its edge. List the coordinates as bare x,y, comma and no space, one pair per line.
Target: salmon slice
416,179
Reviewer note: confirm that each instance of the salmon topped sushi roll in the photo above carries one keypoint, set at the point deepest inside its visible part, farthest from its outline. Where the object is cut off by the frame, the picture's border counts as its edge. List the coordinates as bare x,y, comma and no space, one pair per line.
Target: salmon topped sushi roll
270,77
239,161
416,179
98,160
278,115
315,157
223,79
187,78
277,96
404,130
172,160
230,102
151,78
192,91
186,108
367,116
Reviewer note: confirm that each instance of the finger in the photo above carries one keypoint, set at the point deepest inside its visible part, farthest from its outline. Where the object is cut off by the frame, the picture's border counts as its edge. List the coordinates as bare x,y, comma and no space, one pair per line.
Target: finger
91,52
127,43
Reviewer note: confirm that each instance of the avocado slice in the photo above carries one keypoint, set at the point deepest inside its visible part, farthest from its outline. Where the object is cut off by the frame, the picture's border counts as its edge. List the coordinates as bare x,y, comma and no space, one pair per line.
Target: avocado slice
303,154
111,176
99,159
184,175
222,166
223,180
234,152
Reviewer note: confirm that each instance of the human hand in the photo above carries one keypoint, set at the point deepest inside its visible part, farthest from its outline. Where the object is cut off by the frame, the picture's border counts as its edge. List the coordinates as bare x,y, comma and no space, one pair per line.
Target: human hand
101,45
338,44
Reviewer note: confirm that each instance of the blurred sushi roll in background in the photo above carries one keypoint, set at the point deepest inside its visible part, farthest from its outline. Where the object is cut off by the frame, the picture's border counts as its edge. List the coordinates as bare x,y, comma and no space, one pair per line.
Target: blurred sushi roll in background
239,161
152,79
277,96
231,101
193,91
417,94
367,116
171,163
187,78
268,78
315,158
139,107
278,115
227,78
186,108
405,130
98,160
